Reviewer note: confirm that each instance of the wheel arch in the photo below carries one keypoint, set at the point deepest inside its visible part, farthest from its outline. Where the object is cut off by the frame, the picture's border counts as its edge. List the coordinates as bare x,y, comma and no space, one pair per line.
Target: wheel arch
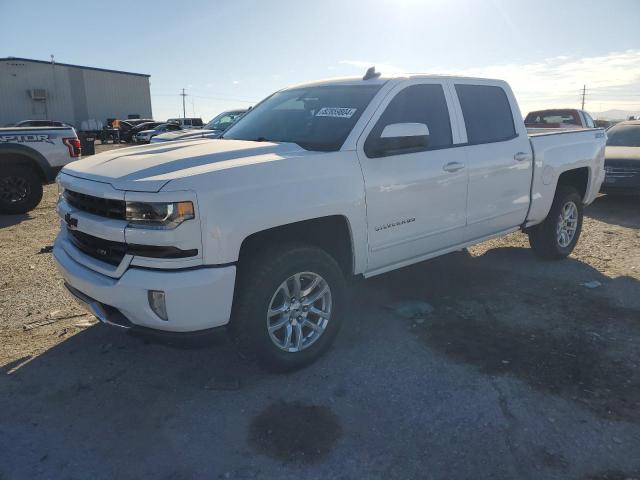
332,233
577,178
20,154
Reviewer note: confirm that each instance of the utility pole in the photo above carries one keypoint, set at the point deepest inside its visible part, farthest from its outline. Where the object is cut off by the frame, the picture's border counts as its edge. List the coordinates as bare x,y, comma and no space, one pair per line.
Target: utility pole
584,92
184,110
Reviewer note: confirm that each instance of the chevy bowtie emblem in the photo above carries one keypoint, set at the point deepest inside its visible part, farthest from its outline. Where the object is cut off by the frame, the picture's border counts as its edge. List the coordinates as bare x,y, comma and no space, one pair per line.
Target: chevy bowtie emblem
71,222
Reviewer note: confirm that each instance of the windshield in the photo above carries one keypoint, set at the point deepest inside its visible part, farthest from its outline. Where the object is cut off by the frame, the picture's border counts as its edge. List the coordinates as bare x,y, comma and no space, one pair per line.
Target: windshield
223,121
624,136
316,118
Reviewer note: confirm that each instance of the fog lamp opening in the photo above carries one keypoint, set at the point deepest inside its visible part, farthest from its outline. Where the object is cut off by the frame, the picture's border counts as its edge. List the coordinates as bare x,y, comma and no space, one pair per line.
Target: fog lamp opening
157,303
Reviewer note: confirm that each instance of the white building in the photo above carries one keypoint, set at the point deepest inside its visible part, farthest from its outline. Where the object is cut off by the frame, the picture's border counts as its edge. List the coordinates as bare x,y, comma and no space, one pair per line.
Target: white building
84,97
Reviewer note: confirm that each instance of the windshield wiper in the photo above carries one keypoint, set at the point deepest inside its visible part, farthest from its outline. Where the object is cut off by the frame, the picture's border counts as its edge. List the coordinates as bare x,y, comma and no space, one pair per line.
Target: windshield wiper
261,139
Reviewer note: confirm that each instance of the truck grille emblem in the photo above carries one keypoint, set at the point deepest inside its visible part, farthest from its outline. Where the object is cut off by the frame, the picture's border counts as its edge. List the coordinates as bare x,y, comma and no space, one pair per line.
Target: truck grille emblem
70,221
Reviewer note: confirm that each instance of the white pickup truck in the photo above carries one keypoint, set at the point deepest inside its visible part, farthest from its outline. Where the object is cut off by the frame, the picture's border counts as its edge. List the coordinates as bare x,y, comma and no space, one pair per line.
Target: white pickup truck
317,183
29,157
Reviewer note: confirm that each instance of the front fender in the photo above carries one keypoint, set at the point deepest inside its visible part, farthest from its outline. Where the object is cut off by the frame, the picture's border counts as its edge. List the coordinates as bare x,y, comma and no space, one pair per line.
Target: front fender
239,202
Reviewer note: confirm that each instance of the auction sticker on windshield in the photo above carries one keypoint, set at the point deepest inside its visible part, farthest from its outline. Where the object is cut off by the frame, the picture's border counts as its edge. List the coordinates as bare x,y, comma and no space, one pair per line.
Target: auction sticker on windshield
336,112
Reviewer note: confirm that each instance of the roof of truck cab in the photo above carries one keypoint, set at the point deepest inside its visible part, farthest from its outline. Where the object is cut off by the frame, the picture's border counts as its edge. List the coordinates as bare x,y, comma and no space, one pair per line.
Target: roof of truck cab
382,79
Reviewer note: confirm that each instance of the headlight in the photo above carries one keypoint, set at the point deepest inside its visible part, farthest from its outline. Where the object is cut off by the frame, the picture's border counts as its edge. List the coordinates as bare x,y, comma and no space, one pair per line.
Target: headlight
158,215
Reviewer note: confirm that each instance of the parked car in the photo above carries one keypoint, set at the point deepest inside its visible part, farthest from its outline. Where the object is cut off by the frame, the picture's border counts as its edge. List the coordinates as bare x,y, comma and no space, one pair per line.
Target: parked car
603,123
319,182
145,136
213,129
188,122
128,135
29,157
126,125
622,159
41,123
566,118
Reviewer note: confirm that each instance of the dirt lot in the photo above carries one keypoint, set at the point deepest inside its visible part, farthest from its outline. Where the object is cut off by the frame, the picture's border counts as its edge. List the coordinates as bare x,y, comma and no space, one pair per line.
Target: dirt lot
488,363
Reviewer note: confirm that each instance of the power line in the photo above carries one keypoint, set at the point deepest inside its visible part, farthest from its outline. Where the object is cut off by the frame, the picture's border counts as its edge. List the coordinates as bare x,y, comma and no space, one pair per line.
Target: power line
243,100
231,99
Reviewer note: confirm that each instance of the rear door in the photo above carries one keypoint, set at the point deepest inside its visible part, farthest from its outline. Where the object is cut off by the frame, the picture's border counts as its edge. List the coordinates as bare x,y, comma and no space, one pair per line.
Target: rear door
416,199
498,155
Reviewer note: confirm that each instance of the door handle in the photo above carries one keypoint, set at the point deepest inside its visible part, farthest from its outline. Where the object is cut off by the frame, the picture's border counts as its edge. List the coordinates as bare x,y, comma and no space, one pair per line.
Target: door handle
521,156
453,167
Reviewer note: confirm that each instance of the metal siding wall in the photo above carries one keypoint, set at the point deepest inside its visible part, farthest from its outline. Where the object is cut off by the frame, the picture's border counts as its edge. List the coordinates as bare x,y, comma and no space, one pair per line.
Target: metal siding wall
18,77
116,95
106,94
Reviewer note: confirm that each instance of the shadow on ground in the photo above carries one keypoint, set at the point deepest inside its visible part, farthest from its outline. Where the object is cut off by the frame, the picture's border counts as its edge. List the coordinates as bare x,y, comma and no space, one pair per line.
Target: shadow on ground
557,335
121,400
616,210
11,220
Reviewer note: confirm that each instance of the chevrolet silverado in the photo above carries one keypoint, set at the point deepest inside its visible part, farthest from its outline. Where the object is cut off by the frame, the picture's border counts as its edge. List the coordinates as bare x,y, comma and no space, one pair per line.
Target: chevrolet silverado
319,182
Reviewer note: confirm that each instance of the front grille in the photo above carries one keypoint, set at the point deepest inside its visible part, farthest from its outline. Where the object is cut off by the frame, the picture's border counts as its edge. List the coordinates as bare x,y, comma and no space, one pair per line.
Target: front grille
112,252
106,250
103,207
621,172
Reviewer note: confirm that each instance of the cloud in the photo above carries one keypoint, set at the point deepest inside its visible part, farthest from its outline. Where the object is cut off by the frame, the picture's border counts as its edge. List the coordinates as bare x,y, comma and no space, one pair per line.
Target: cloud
236,82
612,80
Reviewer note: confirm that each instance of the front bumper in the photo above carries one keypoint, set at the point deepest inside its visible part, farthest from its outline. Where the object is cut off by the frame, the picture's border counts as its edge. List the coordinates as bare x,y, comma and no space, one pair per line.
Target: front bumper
621,184
196,298
622,177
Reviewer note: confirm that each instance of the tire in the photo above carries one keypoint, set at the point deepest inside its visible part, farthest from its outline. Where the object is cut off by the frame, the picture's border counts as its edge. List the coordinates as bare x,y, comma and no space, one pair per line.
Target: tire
20,189
260,287
546,239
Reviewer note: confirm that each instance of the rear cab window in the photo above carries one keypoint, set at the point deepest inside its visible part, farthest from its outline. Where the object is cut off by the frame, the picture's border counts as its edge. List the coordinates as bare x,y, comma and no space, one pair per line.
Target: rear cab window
487,113
554,117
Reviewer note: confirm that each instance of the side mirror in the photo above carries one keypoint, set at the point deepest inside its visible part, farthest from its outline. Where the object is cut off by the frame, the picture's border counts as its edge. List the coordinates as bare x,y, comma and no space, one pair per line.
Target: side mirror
400,137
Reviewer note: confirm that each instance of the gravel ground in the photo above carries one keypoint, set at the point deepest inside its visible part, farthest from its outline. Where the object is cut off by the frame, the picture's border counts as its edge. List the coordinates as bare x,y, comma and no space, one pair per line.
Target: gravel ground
487,363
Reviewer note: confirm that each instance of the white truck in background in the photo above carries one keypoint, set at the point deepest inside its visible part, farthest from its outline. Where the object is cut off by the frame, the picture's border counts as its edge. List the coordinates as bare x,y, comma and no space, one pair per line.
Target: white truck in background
317,183
30,157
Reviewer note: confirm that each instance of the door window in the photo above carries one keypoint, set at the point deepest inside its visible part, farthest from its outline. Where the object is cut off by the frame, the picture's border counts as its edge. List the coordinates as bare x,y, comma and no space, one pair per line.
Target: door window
423,103
487,113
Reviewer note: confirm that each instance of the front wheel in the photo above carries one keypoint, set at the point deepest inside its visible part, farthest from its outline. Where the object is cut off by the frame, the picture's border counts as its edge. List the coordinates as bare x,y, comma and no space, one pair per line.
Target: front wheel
20,189
557,236
288,306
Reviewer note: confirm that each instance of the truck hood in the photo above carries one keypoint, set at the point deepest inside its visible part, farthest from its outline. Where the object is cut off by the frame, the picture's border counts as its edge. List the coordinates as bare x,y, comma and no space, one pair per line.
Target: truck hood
148,168
622,153
187,134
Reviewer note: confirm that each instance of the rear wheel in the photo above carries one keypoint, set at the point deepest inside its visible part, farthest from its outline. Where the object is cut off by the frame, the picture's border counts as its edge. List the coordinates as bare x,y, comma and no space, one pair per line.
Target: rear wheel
288,306
20,189
557,236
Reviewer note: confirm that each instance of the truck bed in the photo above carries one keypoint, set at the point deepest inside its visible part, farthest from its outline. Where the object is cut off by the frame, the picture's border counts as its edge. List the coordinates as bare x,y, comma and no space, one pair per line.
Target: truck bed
555,152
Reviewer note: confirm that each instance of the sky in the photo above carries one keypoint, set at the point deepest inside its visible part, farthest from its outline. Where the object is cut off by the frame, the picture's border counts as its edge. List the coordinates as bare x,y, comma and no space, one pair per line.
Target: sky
230,54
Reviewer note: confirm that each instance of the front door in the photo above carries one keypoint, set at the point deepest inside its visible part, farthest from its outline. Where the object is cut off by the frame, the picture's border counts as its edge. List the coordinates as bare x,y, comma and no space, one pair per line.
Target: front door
417,198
